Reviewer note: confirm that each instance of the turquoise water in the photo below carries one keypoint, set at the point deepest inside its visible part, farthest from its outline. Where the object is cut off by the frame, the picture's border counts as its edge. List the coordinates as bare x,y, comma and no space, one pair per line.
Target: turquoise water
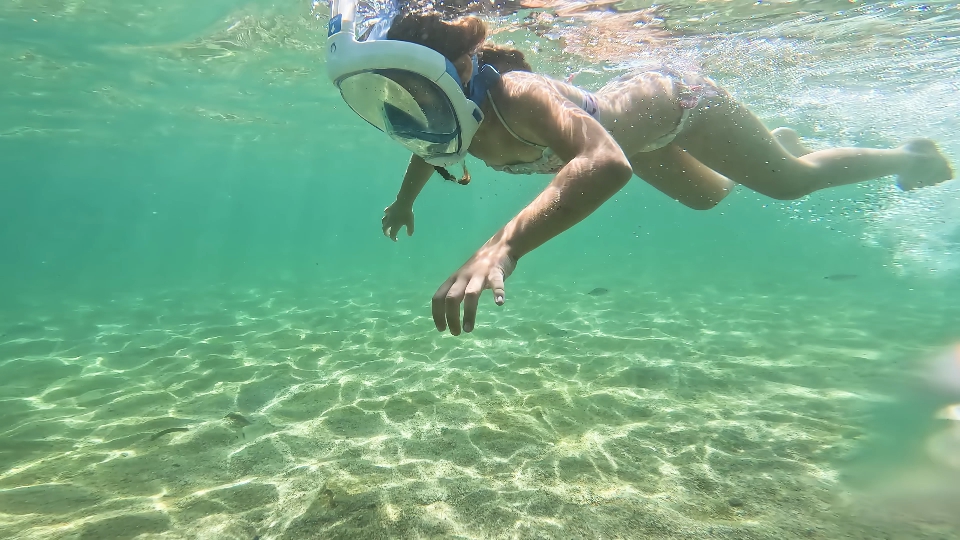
189,229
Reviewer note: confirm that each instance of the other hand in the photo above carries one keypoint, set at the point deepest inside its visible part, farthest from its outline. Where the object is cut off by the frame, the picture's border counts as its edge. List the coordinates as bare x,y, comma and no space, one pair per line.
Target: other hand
395,217
488,268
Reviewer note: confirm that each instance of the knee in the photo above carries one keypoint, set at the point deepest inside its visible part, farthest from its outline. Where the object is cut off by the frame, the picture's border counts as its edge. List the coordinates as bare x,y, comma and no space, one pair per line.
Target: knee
706,201
788,183
786,192
702,203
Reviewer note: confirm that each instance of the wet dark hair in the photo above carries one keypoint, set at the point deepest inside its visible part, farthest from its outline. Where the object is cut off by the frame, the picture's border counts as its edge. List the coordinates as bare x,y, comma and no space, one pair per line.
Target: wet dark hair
453,39
456,38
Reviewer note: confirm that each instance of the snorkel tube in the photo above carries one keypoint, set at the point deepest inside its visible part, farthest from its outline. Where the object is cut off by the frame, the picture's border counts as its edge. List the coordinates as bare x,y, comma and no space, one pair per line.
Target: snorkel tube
342,10
340,32
347,56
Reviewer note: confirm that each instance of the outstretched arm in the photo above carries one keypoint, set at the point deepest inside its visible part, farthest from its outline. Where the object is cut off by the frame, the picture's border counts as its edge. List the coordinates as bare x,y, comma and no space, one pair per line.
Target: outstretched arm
585,183
400,213
417,175
596,169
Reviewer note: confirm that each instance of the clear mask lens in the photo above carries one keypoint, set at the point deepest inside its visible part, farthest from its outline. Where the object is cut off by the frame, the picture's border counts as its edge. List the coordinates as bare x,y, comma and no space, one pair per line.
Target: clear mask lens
409,107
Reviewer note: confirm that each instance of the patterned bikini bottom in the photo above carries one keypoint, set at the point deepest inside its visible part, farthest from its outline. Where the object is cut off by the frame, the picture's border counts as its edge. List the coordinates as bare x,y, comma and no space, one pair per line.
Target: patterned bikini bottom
691,88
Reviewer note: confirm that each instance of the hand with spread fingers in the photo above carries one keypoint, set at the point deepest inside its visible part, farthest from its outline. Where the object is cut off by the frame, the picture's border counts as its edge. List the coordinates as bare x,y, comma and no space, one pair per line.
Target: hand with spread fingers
488,268
395,217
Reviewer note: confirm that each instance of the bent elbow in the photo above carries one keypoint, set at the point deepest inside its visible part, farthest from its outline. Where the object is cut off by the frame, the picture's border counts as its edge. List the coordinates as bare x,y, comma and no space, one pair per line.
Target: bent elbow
615,171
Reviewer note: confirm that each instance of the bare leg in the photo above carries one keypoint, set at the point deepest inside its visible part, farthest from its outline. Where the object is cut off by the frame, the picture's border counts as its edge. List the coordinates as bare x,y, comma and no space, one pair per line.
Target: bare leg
676,173
790,140
728,138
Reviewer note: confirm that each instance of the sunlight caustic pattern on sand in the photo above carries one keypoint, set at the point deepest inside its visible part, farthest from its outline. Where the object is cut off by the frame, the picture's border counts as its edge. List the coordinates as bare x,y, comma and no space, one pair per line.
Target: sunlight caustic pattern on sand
234,413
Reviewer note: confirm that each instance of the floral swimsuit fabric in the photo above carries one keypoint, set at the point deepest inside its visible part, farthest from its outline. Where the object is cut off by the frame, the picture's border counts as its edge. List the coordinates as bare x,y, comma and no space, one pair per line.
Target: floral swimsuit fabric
692,87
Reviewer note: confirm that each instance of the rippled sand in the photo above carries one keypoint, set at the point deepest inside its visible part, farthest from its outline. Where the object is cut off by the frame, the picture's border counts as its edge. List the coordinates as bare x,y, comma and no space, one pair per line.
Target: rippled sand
335,413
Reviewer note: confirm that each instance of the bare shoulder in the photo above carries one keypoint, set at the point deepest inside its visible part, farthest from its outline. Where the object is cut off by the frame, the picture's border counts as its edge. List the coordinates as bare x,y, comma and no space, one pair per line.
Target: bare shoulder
528,104
535,109
528,99
523,89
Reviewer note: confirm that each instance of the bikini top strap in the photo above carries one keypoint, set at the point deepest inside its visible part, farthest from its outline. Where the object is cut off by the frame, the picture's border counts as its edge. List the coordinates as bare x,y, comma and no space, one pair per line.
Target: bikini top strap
506,125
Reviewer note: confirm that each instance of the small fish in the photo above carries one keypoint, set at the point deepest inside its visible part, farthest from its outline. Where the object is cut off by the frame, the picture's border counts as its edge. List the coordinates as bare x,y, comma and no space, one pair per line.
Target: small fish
841,277
163,432
598,291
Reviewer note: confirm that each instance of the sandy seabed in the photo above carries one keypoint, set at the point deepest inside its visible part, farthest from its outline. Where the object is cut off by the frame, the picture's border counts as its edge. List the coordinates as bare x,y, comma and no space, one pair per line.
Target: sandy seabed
340,413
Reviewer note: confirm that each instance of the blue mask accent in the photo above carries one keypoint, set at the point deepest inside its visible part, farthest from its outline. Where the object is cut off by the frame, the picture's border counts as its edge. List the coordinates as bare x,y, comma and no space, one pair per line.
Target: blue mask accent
335,25
481,81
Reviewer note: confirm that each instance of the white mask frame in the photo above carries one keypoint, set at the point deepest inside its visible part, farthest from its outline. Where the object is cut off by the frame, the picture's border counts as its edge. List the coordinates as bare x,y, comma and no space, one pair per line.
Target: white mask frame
347,58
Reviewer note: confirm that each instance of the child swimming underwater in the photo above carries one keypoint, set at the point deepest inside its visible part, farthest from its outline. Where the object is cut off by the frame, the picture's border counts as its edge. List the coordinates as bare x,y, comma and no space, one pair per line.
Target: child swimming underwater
680,132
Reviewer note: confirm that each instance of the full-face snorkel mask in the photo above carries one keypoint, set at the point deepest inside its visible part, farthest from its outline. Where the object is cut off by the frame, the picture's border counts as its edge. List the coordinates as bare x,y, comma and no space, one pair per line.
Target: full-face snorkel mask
410,92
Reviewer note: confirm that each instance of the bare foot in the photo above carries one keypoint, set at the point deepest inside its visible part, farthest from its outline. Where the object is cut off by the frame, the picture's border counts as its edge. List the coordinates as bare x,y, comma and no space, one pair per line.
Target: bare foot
929,167
790,141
